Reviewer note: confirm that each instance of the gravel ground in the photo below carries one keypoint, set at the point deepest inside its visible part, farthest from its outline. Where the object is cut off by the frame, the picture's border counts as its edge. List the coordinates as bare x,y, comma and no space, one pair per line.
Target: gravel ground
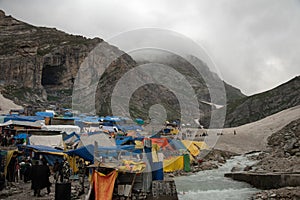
22,191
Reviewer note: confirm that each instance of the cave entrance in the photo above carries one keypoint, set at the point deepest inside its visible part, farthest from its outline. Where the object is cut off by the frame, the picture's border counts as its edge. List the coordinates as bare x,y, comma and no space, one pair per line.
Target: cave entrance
52,75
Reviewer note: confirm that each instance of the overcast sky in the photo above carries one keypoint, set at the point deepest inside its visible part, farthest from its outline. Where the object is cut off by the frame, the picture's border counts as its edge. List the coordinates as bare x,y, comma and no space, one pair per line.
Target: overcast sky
254,43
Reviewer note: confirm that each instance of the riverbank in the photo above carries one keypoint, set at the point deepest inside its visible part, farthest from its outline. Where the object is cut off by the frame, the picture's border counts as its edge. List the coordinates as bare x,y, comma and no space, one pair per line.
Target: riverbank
278,167
207,160
283,157
282,193
212,185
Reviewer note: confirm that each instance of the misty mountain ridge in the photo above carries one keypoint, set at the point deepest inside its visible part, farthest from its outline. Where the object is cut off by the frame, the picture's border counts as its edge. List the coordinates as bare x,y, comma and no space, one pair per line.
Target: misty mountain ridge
259,106
40,64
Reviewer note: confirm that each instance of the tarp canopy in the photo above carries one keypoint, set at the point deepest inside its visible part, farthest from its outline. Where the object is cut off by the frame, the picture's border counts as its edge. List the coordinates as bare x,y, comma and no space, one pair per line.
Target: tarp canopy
194,147
139,121
36,124
163,143
68,129
47,140
177,144
112,118
45,114
49,153
41,148
201,145
21,136
131,127
173,164
101,138
120,140
22,118
87,152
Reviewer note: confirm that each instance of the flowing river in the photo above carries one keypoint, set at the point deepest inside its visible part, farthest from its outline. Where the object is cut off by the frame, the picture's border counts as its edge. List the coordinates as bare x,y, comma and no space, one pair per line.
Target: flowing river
212,185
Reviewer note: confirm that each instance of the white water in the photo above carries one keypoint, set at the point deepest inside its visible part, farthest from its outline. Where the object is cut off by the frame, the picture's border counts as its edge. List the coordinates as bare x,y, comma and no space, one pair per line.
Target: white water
212,185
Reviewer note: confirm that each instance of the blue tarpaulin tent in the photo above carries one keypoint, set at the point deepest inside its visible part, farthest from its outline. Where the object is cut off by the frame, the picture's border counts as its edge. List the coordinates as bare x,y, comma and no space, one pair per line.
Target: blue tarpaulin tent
120,140
44,114
22,118
41,148
85,152
21,136
49,153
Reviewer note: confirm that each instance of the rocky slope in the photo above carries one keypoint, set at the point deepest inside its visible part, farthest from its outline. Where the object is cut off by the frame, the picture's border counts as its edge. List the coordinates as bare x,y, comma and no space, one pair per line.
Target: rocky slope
284,152
256,107
283,156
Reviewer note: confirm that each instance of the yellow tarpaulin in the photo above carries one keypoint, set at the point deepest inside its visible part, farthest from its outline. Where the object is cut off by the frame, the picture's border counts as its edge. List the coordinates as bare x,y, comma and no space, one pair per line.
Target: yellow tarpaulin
72,163
131,166
194,146
173,164
201,145
155,148
104,185
139,144
8,158
194,150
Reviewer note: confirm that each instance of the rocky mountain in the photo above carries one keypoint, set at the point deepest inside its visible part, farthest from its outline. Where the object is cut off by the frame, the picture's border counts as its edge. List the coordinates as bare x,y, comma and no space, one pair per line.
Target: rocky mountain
202,80
258,106
40,65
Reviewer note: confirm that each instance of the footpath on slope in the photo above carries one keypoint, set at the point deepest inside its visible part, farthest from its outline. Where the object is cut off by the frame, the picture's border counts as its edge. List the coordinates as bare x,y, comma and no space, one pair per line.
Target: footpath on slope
253,137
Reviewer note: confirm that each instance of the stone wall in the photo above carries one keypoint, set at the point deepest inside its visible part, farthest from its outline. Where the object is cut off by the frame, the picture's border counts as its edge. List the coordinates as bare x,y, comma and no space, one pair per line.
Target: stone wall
267,180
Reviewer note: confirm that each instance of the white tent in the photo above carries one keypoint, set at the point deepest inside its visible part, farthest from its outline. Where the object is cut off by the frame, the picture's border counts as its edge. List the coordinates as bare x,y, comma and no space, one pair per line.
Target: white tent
63,128
38,123
47,140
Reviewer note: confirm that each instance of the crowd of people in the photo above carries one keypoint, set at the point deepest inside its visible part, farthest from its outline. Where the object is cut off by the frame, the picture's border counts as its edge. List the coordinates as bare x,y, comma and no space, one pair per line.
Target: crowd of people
38,172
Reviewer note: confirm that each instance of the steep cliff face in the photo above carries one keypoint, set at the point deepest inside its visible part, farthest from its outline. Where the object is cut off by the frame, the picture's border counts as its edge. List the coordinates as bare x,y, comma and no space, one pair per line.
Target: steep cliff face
33,57
39,64
253,108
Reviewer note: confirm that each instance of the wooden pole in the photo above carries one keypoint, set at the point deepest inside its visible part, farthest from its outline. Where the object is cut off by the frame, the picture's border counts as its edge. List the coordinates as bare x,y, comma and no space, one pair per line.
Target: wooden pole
133,180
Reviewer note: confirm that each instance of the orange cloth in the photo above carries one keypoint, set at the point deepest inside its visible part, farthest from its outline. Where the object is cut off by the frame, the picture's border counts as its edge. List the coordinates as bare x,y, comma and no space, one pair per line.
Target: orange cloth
104,185
161,142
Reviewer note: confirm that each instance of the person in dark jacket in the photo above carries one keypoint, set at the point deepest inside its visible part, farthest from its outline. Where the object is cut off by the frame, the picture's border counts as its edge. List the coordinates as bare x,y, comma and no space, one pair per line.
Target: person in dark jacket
40,173
46,175
34,178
